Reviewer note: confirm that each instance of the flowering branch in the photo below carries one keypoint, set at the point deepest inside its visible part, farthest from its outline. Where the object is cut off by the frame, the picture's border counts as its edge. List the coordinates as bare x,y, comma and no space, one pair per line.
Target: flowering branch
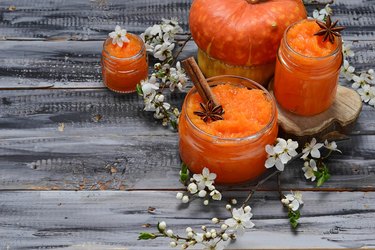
160,41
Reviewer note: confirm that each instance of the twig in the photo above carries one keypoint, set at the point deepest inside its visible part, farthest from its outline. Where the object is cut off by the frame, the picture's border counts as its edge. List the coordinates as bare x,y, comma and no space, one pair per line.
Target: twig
180,49
260,183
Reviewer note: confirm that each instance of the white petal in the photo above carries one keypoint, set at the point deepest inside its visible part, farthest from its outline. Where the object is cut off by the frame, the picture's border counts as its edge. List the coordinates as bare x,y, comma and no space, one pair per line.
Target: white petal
284,157
205,172
269,150
315,153
270,162
248,224
279,165
230,222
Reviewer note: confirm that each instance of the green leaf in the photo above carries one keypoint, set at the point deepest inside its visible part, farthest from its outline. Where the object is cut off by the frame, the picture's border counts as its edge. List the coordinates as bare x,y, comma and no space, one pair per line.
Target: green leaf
173,124
139,89
293,218
184,175
323,176
146,236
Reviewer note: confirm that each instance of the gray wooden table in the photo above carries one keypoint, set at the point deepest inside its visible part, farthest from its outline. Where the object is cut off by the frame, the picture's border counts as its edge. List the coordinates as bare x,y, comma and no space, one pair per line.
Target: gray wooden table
90,185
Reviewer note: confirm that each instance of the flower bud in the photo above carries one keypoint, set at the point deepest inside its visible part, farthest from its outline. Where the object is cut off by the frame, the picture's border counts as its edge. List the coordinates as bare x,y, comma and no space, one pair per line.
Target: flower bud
225,237
202,193
215,220
234,201
208,235
228,207
205,202
185,199
179,195
247,209
224,227
162,226
169,233
189,229
173,244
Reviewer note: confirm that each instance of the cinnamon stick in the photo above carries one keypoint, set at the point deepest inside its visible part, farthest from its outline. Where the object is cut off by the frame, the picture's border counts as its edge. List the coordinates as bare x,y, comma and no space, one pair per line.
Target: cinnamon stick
192,69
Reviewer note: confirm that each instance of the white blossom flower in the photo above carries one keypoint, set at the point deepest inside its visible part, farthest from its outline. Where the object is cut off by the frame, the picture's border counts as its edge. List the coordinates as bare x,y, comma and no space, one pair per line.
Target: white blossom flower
273,159
206,179
162,51
347,70
362,80
312,148
367,93
331,146
216,195
286,149
119,36
309,168
295,200
321,14
193,188
346,49
177,78
240,220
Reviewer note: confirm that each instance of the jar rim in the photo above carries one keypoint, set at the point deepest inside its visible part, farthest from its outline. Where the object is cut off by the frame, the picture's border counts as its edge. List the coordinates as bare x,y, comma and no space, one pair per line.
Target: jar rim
253,136
139,53
334,52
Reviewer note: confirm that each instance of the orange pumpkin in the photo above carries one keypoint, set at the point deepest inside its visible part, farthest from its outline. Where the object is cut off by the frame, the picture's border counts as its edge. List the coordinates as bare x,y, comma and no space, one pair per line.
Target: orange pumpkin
241,37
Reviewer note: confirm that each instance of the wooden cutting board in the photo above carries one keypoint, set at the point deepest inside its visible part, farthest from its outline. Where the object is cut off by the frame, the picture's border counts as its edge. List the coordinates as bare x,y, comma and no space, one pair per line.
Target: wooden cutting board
334,123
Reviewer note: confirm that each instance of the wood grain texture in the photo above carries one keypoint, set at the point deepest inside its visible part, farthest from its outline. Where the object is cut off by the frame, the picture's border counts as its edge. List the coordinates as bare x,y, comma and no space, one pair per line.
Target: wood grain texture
64,220
34,154
94,19
35,64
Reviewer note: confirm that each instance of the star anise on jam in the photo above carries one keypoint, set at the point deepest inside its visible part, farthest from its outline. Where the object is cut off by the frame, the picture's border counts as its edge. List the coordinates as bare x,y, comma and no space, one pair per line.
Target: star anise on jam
329,30
210,111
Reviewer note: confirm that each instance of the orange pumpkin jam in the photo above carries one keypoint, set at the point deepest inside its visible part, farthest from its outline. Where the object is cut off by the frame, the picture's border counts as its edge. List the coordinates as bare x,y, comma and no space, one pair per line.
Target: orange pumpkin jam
246,112
233,148
124,67
302,40
307,70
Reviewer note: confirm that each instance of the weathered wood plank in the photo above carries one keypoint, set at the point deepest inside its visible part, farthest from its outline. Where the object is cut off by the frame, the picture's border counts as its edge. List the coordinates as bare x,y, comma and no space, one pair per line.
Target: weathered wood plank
142,154
32,64
64,220
92,20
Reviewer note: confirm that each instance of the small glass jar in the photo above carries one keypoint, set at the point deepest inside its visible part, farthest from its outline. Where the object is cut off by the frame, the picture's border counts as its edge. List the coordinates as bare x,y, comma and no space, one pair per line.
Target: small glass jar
306,85
122,74
234,160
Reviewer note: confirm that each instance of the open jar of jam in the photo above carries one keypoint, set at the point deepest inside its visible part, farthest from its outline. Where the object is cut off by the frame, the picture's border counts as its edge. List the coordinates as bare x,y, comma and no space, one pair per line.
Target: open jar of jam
124,67
233,148
307,70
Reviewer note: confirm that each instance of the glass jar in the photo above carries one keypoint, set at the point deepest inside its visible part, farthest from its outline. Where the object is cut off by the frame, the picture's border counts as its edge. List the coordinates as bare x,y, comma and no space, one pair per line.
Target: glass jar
234,160
122,74
306,85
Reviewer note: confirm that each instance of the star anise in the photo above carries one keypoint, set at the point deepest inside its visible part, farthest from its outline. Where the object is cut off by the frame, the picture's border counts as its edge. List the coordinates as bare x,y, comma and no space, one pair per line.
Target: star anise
210,112
329,30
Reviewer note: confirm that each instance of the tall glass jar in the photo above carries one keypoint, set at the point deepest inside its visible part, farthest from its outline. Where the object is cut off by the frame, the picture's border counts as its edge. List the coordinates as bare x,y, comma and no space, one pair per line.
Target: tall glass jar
306,85
122,74
234,160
